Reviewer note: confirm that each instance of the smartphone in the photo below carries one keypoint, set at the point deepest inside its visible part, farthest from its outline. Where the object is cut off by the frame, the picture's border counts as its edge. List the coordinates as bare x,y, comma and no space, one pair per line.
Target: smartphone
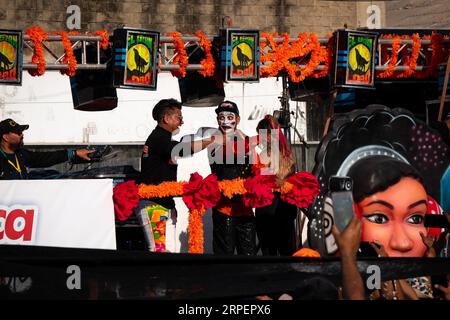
366,250
436,221
341,190
441,280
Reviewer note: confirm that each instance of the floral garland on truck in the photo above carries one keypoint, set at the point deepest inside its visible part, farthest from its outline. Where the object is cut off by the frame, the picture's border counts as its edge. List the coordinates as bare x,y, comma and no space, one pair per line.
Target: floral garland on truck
201,193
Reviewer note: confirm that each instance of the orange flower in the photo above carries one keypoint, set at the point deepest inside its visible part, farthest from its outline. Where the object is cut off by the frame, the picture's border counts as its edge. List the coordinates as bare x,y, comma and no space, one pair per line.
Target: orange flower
181,57
195,230
165,189
230,188
306,253
394,57
105,42
287,57
69,57
208,63
37,35
414,56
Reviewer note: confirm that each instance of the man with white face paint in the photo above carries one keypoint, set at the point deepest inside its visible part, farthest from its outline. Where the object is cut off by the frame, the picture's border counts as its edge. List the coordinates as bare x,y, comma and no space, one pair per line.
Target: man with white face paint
233,223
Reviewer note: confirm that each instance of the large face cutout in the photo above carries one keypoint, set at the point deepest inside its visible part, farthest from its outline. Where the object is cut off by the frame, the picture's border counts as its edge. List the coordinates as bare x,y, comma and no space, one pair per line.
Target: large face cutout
227,121
394,217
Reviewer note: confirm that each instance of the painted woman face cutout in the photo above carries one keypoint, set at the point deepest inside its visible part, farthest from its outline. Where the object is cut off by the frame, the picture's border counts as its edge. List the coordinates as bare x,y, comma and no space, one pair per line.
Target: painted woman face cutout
394,217
227,121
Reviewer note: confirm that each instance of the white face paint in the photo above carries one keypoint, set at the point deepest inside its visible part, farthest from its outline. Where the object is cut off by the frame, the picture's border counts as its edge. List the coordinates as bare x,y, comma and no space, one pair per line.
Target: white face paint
227,121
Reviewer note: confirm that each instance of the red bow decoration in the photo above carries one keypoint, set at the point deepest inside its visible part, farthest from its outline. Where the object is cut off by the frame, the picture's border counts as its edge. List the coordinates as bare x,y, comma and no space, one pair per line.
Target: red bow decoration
126,198
305,189
199,192
259,191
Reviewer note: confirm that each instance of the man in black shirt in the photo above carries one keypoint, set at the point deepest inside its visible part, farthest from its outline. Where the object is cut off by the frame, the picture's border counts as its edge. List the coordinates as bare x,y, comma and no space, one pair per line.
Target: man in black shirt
14,159
158,164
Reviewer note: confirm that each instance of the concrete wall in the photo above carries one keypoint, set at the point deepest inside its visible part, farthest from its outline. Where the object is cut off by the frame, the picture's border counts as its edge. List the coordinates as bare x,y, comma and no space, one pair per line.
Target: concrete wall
291,16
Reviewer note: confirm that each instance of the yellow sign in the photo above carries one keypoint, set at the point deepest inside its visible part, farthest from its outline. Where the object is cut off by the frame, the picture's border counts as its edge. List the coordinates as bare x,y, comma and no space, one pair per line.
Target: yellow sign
138,58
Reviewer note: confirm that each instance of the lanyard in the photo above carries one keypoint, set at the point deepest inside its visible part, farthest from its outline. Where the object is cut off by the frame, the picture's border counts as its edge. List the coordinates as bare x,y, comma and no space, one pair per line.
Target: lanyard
16,166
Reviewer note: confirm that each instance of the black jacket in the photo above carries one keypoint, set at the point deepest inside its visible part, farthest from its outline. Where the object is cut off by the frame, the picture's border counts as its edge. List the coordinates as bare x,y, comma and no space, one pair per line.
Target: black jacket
30,159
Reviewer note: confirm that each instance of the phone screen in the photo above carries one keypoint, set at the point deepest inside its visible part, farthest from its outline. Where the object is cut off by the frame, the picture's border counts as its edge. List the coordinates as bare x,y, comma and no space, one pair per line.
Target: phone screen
342,208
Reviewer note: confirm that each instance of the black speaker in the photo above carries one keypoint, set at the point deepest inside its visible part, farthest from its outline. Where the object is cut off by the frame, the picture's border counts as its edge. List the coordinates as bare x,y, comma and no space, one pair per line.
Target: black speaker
308,89
197,90
92,90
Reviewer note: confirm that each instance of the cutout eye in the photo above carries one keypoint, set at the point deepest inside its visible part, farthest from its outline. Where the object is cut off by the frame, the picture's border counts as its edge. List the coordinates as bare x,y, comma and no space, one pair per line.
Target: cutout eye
416,219
377,218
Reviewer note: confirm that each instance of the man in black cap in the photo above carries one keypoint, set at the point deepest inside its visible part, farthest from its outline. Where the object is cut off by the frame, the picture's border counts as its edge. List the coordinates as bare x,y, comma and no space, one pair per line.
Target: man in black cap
14,159
233,223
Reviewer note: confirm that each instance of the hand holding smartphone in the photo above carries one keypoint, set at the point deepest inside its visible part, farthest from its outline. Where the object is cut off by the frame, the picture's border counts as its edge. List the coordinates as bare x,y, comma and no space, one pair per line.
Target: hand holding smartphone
341,189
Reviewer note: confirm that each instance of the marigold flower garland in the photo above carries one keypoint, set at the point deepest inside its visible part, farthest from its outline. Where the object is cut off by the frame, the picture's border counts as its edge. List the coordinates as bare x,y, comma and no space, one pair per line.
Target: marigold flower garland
208,63
37,35
69,57
199,194
410,61
413,59
396,42
181,57
104,44
282,56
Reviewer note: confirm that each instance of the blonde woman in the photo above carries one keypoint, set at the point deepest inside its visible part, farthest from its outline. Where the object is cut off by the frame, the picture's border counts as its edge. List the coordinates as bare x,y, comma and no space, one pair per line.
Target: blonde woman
274,223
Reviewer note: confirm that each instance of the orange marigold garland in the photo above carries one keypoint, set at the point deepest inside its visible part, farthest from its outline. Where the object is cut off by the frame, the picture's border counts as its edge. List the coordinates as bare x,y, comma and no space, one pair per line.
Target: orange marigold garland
396,42
69,57
181,57
195,230
434,54
413,59
327,56
37,35
208,63
230,188
165,189
299,189
105,41
287,56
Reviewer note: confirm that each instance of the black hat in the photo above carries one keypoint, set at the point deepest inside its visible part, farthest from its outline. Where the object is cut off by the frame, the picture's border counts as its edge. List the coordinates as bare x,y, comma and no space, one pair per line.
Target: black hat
9,125
227,106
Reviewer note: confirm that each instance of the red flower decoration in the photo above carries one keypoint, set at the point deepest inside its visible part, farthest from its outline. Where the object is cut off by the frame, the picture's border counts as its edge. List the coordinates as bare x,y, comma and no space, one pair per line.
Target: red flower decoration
126,198
305,189
199,192
259,191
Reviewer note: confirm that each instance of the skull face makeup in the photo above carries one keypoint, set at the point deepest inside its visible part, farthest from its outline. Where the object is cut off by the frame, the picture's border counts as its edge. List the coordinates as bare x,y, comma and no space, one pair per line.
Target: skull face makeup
227,121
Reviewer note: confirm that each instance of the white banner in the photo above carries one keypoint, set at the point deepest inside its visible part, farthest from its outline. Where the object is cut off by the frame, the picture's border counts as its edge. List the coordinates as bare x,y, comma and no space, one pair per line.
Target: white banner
58,213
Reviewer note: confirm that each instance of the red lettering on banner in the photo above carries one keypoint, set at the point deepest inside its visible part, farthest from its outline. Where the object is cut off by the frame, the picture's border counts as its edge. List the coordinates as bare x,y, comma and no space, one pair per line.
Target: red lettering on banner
144,80
2,223
18,224
8,75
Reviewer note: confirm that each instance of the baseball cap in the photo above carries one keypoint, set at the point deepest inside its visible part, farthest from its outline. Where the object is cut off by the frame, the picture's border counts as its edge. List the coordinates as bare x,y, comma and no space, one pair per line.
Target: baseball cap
9,125
227,106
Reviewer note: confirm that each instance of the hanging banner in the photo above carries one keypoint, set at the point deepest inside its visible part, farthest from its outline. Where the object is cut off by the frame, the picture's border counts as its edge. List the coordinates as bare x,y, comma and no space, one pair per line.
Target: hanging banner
11,57
355,59
240,58
58,213
136,58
